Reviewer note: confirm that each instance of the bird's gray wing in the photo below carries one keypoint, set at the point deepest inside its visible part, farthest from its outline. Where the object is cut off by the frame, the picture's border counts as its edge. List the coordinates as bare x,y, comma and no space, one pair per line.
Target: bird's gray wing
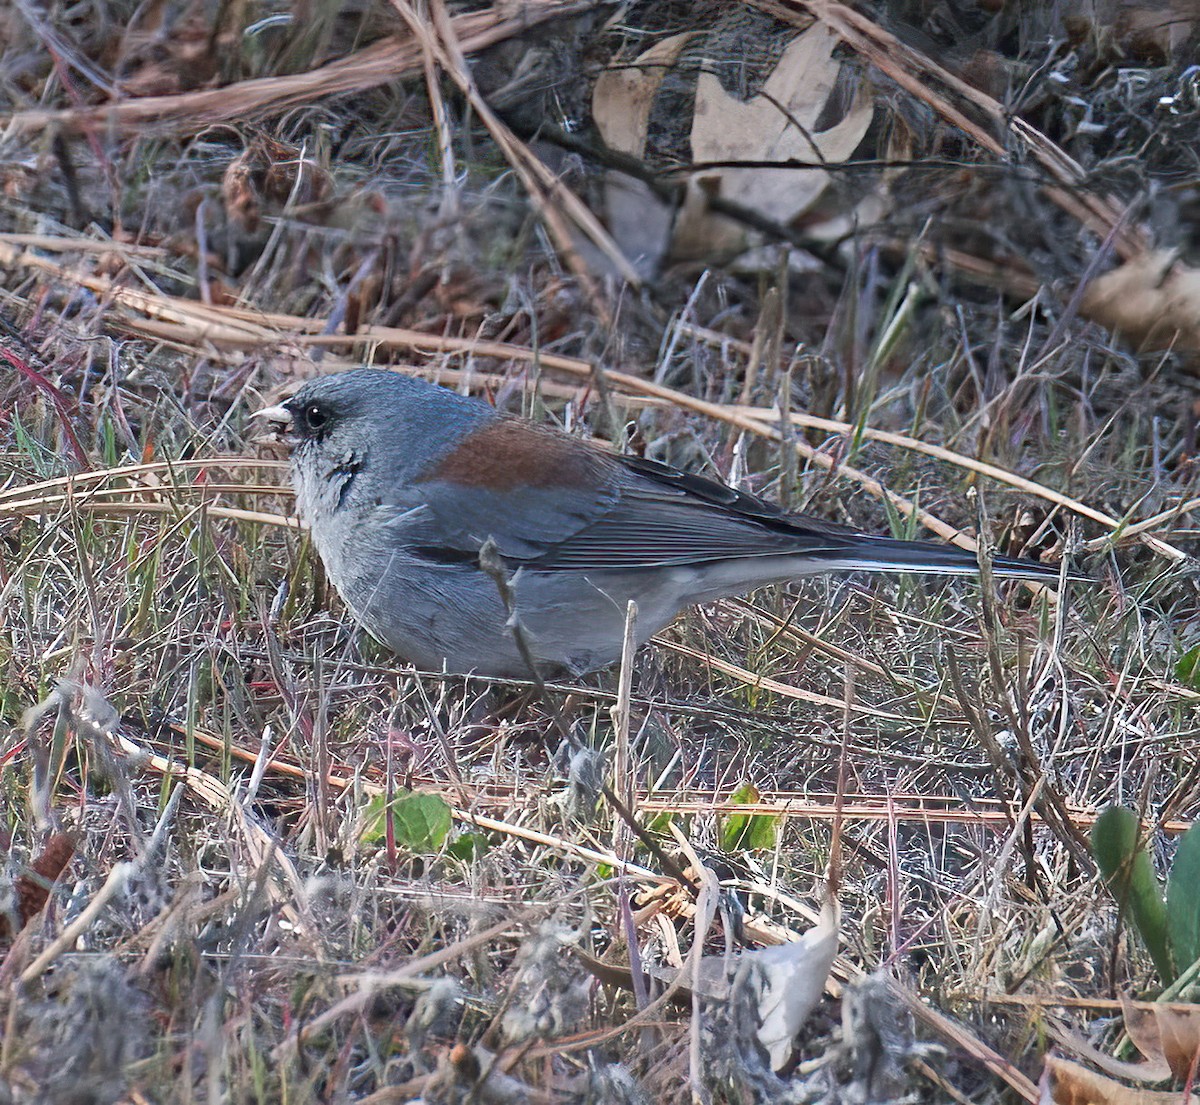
528,489
664,518
448,522
636,514
617,513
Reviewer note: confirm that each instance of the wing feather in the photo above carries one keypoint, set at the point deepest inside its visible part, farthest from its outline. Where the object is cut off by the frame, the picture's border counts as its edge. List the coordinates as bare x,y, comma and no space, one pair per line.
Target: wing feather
634,514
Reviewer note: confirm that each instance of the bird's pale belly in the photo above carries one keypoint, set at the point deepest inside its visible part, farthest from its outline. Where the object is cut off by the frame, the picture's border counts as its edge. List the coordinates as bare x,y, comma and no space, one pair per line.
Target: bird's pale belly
451,617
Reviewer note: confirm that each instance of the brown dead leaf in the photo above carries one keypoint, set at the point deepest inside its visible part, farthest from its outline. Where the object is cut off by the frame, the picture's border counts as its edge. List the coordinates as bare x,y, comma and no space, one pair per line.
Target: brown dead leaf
778,124
1153,31
239,192
668,898
1153,1069
165,54
624,95
17,181
1067,1083
476,1074
269,173
464,292
639,221
1166,1033
698,233
32,889
1152,300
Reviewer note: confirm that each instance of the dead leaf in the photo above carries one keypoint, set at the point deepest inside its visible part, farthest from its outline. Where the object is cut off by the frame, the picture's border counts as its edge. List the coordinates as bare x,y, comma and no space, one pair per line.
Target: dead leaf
778,124
639,221
1154,1069
624,95
1167,1033
164,54
1153,31
783,982
789,980
1152,300
698,233
32,888
1067,1083
267,175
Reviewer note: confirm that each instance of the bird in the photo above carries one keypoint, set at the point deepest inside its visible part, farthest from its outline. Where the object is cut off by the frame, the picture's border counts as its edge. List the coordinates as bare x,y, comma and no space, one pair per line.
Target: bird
471,541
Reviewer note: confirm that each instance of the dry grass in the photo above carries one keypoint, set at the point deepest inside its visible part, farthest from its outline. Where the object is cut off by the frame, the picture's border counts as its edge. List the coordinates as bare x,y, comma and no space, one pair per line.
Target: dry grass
213,737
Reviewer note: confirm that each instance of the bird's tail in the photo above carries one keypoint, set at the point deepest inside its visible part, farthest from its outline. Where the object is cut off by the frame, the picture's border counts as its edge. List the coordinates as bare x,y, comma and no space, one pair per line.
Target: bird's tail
866,553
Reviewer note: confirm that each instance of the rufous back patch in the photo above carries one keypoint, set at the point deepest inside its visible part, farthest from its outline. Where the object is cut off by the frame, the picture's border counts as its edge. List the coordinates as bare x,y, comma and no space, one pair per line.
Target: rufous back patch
509,455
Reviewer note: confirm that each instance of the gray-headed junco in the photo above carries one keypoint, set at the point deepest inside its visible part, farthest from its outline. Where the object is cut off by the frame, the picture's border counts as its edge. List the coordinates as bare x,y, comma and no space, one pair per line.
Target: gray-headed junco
402,483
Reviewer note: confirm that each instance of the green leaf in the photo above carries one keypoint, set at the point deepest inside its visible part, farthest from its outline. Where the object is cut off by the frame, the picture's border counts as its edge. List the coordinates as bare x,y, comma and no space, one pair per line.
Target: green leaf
748,831
1187,667
1128,873
660,823
1183,900
468,846
420,821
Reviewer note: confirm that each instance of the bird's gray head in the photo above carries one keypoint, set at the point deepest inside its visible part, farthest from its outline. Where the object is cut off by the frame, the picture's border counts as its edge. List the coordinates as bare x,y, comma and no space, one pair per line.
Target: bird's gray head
367,429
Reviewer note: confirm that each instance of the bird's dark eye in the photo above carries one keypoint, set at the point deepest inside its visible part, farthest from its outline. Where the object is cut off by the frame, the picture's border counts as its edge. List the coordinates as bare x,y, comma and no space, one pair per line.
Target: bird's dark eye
315,417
